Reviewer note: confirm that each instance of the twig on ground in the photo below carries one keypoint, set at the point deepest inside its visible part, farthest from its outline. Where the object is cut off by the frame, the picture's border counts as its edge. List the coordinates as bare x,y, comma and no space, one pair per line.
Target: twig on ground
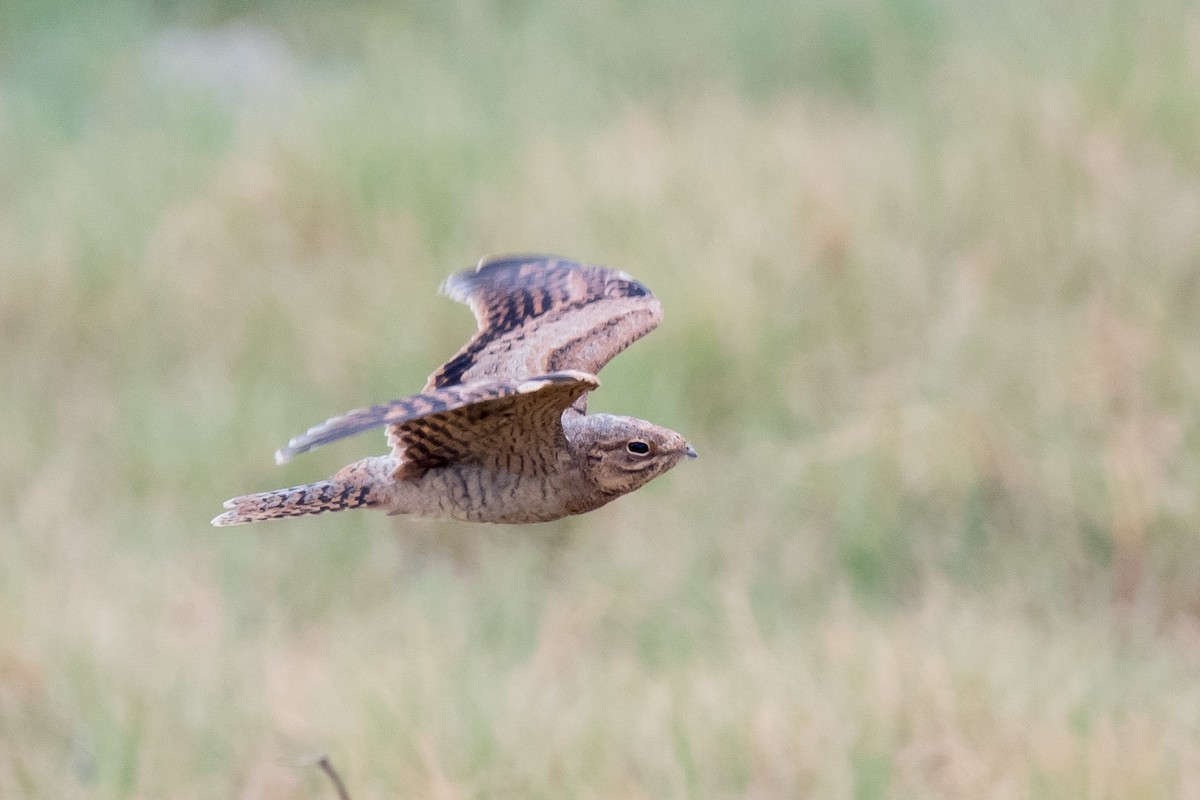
327,767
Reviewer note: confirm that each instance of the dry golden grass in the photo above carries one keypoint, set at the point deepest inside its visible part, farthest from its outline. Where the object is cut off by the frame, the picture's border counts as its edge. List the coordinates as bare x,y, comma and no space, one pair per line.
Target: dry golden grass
933,321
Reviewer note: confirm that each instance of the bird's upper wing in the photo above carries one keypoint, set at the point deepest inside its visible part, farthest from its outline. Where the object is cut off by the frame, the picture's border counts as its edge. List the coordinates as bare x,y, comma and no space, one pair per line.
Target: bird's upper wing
541,314
507,424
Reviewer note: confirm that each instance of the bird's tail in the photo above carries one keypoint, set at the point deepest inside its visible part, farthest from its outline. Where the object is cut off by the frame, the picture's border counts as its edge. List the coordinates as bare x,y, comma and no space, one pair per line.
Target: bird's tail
342,491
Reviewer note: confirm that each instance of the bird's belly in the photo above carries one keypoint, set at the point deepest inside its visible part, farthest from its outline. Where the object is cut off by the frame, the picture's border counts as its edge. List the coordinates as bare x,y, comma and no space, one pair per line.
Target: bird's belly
478,494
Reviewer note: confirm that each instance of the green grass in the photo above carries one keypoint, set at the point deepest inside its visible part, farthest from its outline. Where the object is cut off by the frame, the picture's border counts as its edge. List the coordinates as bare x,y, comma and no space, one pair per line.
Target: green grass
932,300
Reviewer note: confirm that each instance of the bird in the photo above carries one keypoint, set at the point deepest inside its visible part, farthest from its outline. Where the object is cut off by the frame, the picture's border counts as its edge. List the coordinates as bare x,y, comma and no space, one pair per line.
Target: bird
501,433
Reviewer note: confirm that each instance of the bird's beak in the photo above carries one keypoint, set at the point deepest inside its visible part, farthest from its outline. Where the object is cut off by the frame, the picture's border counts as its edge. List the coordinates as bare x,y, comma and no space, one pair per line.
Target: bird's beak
690,452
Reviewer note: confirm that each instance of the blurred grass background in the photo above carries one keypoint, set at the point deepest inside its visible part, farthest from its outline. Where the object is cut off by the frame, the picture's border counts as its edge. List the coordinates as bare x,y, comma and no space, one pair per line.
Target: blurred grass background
931,273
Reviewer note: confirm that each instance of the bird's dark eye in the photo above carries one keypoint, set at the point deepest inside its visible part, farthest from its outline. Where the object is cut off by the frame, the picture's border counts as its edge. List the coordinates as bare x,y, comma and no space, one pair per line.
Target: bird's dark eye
638,447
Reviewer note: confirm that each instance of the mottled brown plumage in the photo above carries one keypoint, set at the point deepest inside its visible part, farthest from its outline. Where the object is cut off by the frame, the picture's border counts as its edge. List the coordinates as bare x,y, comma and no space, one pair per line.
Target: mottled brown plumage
500,432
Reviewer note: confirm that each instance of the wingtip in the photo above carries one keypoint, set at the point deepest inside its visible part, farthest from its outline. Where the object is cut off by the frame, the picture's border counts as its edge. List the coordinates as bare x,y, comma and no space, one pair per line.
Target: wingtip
496,259
450,287
459,285
282,457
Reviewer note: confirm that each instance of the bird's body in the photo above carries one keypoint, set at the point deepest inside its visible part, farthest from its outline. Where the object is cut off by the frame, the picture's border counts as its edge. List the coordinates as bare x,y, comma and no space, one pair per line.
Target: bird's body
501,432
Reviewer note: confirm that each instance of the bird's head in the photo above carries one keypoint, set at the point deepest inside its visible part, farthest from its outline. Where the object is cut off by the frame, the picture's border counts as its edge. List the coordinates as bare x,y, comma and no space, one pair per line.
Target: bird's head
624,453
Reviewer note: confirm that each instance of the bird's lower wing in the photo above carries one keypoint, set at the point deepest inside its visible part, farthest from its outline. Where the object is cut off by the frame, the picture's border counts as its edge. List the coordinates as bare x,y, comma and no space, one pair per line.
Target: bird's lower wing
443,422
